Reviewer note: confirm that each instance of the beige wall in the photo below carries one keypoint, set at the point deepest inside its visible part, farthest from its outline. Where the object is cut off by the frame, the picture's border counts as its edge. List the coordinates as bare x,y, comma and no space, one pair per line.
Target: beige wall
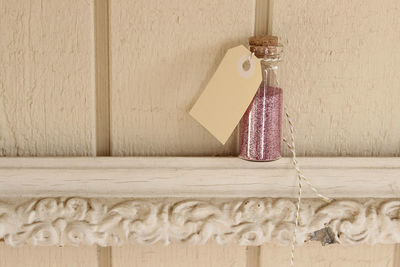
342,81
341,85
175,48
46,78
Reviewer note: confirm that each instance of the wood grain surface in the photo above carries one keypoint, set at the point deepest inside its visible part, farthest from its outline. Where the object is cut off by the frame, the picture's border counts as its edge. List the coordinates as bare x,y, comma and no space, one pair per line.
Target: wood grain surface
46,78
27,256
195,177
314,255
209,255
340,75
162,56
46,98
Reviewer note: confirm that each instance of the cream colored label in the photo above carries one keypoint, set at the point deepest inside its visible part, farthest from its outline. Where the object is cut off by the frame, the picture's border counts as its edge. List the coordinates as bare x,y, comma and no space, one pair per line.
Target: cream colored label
228,94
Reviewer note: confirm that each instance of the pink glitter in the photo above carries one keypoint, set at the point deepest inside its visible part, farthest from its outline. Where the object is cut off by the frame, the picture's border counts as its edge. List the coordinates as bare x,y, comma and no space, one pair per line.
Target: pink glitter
260,129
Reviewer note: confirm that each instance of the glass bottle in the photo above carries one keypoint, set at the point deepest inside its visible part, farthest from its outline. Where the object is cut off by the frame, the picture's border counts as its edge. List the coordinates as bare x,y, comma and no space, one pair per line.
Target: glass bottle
260,129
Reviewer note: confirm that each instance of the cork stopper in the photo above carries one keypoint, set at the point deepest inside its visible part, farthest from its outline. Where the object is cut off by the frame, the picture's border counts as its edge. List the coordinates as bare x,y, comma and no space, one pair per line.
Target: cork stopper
262,44
263,40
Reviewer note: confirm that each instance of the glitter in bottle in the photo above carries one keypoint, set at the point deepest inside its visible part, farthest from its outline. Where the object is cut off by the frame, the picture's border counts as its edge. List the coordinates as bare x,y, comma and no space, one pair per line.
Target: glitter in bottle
260,129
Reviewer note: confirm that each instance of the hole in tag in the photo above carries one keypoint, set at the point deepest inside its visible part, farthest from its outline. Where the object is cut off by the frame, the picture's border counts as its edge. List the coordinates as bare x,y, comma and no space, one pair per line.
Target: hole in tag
246,65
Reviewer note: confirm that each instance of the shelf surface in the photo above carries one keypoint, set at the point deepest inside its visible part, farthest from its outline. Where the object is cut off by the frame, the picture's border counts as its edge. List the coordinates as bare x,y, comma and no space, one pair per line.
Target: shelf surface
196,177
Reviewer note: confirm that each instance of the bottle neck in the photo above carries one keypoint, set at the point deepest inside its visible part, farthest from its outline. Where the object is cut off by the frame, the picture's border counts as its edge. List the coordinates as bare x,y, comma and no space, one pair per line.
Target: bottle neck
270,57
270,72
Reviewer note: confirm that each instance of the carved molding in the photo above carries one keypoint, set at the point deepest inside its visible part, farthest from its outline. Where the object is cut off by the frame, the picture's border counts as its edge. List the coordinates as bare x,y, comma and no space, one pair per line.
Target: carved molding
61,221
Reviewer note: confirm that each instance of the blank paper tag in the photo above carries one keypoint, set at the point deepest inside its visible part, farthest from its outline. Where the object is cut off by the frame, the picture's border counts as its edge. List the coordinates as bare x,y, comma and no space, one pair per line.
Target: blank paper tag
228,94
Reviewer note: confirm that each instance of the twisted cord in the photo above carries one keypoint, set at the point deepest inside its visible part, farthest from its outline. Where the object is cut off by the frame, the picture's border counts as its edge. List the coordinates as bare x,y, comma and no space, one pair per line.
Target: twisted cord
300,177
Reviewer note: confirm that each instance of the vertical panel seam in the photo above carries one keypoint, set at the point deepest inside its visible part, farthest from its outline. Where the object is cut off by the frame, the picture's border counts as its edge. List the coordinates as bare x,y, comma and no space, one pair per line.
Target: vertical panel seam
396,255
263,17
253,256
262,25
104,256
102,77
102,97
270,9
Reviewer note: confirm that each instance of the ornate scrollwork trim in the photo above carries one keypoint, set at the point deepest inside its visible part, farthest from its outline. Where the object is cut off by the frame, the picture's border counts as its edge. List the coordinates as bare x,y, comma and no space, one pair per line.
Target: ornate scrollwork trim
61,221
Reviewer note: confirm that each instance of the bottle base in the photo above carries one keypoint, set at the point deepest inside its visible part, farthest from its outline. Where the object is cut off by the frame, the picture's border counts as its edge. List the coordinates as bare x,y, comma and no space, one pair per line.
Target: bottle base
258,160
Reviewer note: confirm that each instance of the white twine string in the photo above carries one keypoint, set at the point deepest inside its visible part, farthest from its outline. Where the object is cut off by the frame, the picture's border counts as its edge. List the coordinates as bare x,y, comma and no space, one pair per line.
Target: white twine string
300,178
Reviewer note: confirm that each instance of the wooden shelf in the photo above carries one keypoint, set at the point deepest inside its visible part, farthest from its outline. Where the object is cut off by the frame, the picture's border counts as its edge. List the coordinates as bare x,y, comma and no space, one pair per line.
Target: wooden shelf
111,201
197,177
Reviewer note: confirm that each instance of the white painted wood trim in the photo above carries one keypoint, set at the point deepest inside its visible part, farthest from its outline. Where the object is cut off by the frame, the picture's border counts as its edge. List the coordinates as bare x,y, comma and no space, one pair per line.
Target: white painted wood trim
196,177
75,221
111,201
